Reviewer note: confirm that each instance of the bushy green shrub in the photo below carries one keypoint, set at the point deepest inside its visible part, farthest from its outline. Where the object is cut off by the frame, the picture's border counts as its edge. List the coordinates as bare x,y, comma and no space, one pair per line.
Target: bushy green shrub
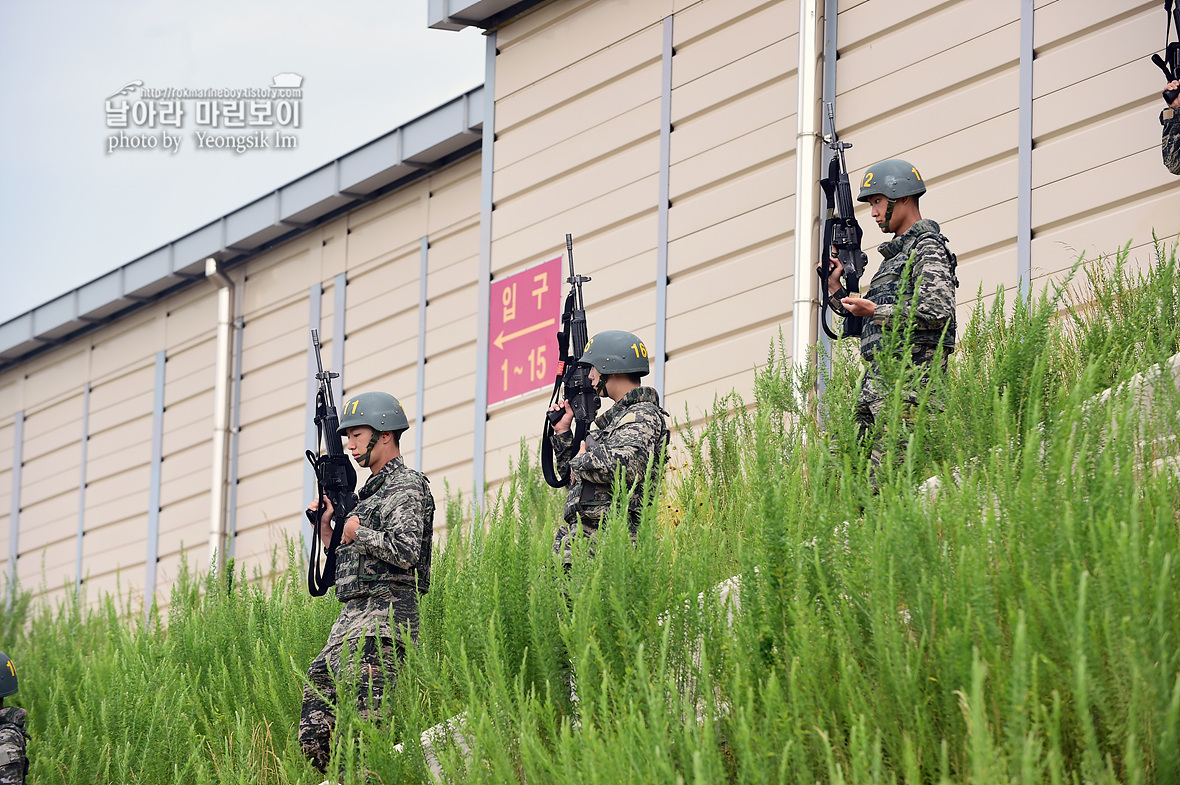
1019,625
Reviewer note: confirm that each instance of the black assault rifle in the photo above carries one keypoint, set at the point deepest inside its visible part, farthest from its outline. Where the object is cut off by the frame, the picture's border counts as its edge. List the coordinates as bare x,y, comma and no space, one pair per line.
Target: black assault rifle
1170,62
840,230
335,478
572,376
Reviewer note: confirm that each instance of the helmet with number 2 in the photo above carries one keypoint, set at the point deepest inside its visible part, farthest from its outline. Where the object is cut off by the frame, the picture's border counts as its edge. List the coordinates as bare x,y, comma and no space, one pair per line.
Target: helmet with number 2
616,351
892,179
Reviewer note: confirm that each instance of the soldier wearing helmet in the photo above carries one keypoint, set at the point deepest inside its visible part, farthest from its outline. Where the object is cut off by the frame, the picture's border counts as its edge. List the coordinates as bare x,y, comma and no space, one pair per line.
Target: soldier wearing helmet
14,762
628,439
383,565
912,291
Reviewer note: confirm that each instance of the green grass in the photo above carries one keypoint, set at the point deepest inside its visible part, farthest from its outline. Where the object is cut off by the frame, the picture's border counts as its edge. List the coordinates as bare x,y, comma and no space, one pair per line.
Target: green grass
1021,625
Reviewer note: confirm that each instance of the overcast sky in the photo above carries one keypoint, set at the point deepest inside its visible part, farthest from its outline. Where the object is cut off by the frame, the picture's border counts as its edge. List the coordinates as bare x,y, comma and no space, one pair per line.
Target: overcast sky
70,211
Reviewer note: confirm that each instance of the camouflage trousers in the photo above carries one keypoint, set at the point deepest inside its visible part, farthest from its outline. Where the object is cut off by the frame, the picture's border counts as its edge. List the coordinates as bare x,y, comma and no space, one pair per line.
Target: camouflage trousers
375,672
874,394
563,540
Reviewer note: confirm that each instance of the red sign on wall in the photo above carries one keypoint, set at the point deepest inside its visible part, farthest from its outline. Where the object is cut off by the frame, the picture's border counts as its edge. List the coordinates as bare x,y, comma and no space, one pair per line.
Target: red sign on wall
522,342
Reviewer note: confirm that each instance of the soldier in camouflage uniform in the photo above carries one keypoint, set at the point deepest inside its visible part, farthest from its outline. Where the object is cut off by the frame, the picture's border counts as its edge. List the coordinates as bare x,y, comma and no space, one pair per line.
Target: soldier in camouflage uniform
926,294
1170,119
383,564
629,438
14,763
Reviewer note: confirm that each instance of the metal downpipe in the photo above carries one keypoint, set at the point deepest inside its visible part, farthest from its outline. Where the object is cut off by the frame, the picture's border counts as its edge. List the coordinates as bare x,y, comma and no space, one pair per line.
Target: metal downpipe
808,138
221,434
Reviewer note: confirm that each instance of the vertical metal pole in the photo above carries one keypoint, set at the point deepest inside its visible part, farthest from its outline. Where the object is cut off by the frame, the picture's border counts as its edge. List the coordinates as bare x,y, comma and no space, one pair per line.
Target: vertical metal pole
1024,148
421,414
808,130
340,286
831,13
484,280
82,490
315,295
661,346
18,444
153,533
231,522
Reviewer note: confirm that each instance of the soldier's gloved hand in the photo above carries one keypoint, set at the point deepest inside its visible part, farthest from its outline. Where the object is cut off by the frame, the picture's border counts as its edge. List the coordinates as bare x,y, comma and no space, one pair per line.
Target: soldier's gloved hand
567,420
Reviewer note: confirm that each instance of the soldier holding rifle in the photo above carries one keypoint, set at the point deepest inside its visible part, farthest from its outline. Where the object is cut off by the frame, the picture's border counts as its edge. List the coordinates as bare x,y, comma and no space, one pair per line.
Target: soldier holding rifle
924,294
383,565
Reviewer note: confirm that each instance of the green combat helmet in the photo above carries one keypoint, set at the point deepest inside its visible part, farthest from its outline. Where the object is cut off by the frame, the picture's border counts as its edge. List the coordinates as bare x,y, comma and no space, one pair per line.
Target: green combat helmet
616,351
7,676
380,411
893,179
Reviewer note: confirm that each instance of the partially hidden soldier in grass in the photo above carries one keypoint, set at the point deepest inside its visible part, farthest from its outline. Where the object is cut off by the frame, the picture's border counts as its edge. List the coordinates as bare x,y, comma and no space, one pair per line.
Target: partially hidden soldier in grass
14,760
1170,119
629,438
383,564
925,293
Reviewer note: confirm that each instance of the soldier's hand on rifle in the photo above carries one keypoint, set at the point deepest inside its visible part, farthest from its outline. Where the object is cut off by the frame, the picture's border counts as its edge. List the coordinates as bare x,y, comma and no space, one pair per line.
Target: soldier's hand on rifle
837,271
859,306
1174,85
324,530
567,420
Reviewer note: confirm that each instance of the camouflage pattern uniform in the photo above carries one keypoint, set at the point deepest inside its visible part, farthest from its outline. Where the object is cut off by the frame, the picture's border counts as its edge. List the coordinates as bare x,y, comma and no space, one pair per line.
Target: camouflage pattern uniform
14,764
931,286
378,578
629,437
1170,118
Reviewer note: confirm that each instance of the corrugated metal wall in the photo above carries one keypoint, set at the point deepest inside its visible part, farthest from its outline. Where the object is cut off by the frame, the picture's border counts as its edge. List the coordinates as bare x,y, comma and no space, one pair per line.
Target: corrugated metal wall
732,184
577,150
377,247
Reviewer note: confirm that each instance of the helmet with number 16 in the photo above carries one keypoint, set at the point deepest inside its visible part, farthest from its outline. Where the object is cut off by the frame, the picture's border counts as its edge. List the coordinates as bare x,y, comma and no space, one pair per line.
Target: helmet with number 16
616,351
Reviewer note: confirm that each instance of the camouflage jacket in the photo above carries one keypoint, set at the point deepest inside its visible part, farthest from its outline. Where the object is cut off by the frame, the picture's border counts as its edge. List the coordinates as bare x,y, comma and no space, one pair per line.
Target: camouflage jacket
626,437
393,542
931,284
14,763
1171,141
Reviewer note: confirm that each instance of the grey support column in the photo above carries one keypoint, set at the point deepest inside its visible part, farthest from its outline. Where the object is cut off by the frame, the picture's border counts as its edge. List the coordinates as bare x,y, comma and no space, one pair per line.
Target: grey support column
661,344
1024,147
309,434
340,287
235,423
82,489
484,279
421,413
18,459
153,538
831,13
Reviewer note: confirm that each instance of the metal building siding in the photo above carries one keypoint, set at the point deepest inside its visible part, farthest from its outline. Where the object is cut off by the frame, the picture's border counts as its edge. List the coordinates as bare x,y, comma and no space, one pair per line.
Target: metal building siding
939,87
577,150
731,186
1098,181
275,342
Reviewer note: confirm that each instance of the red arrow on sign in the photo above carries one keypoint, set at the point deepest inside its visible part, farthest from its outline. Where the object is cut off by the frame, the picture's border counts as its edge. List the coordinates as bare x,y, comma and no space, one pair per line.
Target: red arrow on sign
502,339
